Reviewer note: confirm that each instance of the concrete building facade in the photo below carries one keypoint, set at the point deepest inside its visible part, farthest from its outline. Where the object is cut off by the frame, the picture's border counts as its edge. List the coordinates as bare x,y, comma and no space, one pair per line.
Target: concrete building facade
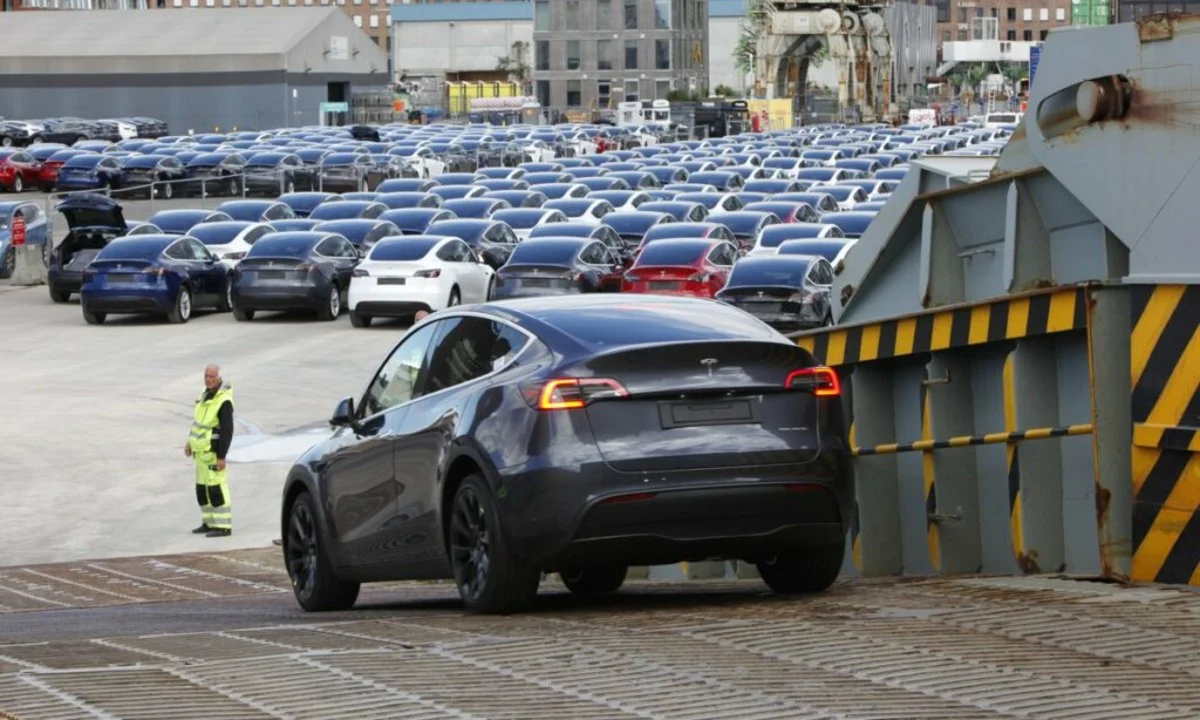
593,54
196,69
1016,21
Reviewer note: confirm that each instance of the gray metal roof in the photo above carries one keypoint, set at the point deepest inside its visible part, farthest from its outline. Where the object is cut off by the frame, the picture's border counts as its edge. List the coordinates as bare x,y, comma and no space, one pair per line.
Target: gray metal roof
159,33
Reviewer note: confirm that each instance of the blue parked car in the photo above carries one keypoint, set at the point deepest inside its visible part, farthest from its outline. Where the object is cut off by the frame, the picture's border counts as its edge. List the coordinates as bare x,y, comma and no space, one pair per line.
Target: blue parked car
303,203
89,172
154,274
178,222
37,231
93,221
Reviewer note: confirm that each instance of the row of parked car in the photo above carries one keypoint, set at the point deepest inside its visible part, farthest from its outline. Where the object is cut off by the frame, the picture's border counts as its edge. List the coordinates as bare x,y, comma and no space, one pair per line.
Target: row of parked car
758,221
70,130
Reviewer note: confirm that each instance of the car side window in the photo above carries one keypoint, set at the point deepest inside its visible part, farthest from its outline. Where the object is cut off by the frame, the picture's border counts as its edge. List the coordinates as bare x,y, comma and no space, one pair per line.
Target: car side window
469,348
31,213
196,249
346,249
327,247
446,252
178,251
593,254
255,234
399,378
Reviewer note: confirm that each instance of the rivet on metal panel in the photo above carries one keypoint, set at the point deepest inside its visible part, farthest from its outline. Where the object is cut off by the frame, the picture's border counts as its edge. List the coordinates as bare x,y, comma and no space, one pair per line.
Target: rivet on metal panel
944,380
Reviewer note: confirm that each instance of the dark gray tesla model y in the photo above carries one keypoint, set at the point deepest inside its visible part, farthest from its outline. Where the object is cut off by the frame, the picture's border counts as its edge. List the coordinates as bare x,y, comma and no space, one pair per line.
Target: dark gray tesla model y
577,435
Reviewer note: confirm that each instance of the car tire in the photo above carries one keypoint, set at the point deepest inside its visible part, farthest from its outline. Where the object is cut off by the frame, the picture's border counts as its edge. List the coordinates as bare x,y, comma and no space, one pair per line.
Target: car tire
359,321
333,304
35,139
504,583
314,584
455,298
226,302
232,188
6,141
9,266
594,579
181,311
60,296
809,570
93,318
242,315
168,190
490,289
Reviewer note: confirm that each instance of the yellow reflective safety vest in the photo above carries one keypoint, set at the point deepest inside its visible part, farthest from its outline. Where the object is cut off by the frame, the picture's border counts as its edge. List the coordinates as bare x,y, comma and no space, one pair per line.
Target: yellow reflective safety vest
204,420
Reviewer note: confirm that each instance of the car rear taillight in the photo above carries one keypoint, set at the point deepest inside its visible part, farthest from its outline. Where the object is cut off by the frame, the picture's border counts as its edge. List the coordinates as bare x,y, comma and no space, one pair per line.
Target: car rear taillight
360,272
436,272
305,267
699,277
820,381
155,271
572,393
234,256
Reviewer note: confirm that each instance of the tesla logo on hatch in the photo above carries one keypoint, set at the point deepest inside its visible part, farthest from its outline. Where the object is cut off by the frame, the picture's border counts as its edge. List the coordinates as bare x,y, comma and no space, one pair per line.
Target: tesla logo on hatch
709,363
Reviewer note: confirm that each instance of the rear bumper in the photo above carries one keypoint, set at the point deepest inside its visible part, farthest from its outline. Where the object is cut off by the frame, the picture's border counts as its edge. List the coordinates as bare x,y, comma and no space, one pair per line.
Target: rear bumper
558,518
126,302
282,298
64,280
396,309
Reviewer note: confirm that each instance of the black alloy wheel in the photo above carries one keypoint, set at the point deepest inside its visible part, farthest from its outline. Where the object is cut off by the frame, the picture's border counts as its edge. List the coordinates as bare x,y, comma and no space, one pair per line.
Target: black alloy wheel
315,586
490,577
811,569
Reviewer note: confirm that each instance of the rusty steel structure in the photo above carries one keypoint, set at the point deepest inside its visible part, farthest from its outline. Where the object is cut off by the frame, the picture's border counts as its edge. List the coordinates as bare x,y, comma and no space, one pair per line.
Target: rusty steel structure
1020,337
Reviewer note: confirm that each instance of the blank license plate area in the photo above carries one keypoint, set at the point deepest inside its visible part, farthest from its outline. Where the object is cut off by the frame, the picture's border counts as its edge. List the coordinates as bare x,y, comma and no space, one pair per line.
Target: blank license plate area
663,284
272,274
391,281
529,282
691,413
122,277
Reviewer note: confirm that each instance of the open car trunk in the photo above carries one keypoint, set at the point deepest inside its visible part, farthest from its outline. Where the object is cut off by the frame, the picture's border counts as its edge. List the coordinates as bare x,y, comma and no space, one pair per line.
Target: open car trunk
94,220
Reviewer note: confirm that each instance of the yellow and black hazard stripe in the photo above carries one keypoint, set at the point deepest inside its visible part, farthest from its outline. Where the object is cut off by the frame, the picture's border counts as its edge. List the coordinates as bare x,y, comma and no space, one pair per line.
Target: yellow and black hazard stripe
1014,317
969,440
1165,402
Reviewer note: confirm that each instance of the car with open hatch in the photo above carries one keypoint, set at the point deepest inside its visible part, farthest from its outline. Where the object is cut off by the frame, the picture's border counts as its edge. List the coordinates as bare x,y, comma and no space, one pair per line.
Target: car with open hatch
578,435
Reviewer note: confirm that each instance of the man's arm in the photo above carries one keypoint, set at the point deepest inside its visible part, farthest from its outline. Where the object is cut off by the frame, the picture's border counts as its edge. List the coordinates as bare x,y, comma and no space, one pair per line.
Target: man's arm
224,430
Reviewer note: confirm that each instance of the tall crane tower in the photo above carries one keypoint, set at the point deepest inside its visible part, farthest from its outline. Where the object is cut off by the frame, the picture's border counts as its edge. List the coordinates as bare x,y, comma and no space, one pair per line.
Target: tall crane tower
785,34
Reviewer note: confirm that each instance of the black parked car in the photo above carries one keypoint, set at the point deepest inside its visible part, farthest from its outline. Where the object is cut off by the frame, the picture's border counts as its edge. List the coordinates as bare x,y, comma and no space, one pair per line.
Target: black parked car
148,127
14,133
216,173
362,233
344,172
294,271
69,131
277,173
788,292
576,435
93,221
152,175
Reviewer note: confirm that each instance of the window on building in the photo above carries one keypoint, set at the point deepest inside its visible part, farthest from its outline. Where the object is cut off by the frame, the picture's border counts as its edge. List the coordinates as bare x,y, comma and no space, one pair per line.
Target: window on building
631,91
574,93
943,10
1012,34
662,14
543,92
1027,36
572,54
995,12
962,15
1043,14
662,54
572,13
631,19
1027,14
945,36
604,18
978,12
541,14
603,93
604,54
358,20
962,35
1060,14
631,54
1012,14
1044,34
374,20
541,55
662,88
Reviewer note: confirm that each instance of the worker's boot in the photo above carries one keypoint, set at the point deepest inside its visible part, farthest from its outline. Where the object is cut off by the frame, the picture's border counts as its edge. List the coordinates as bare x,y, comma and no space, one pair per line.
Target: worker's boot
202,529
218,533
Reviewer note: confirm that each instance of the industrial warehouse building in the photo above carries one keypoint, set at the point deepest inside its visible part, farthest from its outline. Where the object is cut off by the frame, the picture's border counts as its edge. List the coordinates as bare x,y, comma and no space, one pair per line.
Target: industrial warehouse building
201,69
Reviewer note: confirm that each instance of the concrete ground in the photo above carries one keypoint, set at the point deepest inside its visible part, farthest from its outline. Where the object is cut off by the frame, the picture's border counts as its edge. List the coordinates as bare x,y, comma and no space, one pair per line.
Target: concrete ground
97,416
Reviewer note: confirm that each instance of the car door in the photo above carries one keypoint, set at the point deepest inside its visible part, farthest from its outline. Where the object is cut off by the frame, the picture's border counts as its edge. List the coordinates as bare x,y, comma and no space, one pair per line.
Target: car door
465,350
720,261
361,490
209,271
344,258
473,277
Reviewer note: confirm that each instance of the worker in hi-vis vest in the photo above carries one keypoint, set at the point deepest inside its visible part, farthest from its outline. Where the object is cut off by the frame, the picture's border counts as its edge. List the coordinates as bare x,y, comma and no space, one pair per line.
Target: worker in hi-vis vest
212,431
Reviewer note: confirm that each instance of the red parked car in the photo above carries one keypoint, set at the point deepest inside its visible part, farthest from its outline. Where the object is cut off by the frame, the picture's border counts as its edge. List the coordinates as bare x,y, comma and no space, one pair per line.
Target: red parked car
695,267
18,170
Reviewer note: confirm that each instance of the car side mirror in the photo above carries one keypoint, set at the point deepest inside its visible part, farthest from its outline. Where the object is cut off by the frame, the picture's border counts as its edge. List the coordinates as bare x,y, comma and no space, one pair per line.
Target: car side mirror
343,414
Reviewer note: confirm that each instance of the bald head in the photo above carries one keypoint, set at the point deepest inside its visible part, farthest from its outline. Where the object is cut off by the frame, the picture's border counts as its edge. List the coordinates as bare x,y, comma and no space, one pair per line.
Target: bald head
212,377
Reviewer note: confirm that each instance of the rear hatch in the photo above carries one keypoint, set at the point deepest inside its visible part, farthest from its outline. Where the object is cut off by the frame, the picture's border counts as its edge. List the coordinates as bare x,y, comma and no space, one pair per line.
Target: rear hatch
666,279
765,299
123,274
92,211
703,405
399,274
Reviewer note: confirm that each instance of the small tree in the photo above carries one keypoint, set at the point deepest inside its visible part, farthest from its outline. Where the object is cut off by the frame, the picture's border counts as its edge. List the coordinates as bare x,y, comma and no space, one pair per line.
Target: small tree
724,91
516,63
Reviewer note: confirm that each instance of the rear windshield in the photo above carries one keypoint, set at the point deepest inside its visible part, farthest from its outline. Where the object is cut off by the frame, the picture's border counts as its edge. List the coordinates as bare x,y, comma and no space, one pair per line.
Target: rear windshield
84,161
403,250
668,253
131,250
281,246
840,192
543,252
787,274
